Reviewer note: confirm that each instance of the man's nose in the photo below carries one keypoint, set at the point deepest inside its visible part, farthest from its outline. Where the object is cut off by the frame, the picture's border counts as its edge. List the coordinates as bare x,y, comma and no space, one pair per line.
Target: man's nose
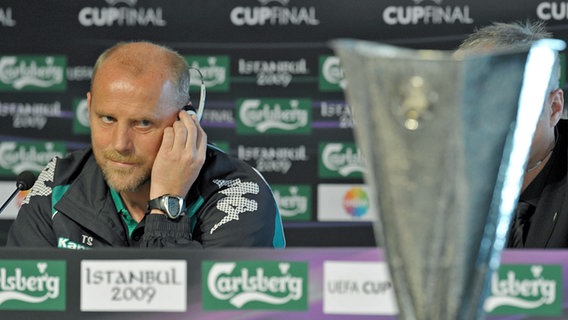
122,140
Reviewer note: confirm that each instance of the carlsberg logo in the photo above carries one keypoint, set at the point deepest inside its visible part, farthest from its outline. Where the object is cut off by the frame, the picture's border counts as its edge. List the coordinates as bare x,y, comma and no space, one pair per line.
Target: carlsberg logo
294,201
266,285
340,160
32,285
215,71
16,157
33,73
331,75
526,289
291,116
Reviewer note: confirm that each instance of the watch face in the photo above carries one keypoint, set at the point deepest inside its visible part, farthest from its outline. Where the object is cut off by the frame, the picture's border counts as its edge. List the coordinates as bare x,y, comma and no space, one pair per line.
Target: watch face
173,206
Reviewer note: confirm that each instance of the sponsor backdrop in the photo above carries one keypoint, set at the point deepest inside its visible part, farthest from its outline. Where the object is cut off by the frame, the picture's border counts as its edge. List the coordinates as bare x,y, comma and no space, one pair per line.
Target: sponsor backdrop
331,283
274,87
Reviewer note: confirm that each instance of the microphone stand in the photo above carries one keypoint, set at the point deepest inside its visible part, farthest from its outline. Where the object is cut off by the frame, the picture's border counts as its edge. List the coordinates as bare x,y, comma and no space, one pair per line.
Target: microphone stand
9,199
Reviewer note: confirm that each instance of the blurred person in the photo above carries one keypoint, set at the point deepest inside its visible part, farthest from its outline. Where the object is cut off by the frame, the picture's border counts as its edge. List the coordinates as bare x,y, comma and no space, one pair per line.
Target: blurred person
149,178
541,218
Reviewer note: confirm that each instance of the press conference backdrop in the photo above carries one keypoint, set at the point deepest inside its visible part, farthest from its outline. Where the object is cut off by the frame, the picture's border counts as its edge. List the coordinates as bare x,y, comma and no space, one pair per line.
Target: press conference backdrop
251,284
274,86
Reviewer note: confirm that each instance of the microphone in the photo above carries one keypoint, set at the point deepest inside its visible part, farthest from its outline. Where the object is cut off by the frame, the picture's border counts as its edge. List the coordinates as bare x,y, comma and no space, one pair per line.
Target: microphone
24,181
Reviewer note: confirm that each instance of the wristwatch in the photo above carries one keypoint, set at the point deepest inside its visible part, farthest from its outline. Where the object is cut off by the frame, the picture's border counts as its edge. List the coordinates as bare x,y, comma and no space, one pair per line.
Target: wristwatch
172,206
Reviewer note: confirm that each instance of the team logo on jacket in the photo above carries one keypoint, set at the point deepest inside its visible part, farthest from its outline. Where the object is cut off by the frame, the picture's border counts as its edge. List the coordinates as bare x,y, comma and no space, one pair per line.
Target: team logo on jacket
235,203
67,243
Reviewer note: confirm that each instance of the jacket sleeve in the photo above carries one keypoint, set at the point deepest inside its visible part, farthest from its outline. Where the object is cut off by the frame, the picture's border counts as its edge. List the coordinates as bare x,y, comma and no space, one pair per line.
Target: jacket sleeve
161,232
241,213
237,214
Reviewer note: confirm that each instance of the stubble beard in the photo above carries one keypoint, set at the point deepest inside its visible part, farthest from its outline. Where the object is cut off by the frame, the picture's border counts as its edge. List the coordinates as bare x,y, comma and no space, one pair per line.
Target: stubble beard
122,180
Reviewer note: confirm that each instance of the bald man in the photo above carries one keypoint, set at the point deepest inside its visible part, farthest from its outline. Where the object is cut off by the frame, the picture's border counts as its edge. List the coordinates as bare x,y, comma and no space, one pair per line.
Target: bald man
149,178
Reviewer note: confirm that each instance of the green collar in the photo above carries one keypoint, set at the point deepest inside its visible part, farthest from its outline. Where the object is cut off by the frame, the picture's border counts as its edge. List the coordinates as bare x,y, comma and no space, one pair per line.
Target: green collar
122,211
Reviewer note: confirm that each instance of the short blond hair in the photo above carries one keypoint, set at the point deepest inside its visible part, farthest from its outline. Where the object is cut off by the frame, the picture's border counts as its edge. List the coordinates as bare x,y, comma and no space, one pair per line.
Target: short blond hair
174,63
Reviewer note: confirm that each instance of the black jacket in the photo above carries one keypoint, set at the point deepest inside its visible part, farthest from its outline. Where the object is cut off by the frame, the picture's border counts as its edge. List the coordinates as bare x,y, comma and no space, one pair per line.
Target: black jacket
549,223
70,206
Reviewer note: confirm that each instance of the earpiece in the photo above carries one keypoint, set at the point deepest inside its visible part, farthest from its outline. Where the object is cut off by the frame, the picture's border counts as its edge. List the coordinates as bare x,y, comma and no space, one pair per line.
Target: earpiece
189,109
191,113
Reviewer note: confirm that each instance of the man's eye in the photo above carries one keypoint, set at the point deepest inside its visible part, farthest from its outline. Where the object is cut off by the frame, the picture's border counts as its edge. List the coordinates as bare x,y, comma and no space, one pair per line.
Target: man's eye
107,119
144,123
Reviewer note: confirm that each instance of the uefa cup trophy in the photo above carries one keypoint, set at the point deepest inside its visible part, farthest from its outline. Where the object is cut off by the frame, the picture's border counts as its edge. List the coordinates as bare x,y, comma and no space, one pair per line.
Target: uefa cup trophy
445,139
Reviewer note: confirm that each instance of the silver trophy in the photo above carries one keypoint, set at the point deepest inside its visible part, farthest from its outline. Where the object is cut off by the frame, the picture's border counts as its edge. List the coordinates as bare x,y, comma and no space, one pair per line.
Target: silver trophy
445,138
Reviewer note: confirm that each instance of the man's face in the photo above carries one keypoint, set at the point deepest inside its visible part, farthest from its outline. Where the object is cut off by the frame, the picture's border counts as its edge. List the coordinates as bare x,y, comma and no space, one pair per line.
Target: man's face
543,139
128,115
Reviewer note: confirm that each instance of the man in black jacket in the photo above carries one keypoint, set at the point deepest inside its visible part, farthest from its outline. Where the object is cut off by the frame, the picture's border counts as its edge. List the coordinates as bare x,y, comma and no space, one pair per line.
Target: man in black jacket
541,219
149,179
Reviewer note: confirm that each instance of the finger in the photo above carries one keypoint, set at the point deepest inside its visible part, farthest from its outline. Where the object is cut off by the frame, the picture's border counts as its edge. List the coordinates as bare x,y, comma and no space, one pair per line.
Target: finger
180,134
185,117
167,139
194,132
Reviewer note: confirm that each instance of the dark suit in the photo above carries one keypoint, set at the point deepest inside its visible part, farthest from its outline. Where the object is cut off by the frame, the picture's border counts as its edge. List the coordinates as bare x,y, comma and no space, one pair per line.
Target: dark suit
549,224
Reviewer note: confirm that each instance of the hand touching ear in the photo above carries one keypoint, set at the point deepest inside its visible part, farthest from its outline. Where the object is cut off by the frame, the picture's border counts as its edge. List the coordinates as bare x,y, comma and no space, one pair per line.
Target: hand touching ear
180,158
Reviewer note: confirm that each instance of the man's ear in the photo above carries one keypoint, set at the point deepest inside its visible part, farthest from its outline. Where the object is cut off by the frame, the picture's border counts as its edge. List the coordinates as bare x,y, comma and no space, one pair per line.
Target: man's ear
556,99
89,101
